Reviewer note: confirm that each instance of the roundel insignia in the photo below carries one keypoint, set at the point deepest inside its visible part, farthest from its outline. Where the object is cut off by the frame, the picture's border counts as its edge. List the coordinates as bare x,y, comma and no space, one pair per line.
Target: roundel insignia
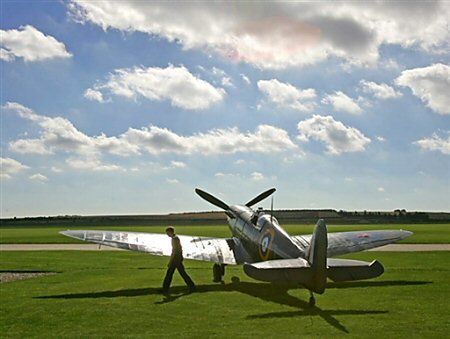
265,244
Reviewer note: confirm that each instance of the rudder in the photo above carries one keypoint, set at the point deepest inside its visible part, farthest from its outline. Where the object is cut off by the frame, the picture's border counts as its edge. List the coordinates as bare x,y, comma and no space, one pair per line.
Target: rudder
317,257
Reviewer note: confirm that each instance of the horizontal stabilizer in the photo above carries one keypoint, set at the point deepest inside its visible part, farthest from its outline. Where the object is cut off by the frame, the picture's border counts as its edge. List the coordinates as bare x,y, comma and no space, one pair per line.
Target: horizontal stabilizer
280,271
299,270
348,270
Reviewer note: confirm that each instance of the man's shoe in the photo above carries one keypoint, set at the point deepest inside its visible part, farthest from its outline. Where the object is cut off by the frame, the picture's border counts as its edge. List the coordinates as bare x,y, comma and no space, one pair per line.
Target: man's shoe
163,291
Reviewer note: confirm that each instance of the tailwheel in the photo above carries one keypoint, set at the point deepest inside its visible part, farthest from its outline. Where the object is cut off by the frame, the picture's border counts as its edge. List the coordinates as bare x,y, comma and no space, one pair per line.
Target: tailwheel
218,272
312,300
235,280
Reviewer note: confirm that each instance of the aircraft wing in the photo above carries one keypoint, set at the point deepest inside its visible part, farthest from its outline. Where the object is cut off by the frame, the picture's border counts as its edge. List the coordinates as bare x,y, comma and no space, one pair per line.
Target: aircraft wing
218,250
348,242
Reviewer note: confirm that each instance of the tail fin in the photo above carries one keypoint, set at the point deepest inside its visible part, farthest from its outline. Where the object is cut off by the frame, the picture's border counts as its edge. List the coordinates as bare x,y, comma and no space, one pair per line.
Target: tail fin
317,257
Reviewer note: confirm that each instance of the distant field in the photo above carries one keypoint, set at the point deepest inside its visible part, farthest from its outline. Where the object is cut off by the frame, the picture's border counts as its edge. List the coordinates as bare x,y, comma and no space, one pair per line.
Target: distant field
112,294
423,233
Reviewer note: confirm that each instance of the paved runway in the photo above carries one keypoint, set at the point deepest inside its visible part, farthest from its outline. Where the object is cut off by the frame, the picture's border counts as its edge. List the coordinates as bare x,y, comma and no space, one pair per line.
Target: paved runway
94,247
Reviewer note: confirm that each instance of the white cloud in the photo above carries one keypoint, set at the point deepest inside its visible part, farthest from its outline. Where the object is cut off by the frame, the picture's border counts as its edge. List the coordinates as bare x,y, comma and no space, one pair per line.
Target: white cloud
342,102
172,181
279,34
177,164
380,91
293,157
9,167
431,84
257,176
175,84
92,164
239,177
6,55
381,139
56,169
156,140
38,177
31,45
59,135
232,176
94,95
246,79
226,81
224,77
337,137
389,64
380,189
286,95
435,143
29,146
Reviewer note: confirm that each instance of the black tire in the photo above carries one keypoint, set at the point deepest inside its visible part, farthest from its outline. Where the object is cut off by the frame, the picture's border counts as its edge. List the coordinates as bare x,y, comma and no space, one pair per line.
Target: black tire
217,273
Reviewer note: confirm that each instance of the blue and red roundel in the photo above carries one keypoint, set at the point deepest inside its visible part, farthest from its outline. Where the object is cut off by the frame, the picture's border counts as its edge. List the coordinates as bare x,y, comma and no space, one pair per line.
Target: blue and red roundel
265,244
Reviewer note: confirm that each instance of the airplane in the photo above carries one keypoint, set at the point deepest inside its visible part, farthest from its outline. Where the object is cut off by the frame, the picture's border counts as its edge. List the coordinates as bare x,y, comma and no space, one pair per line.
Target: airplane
266,251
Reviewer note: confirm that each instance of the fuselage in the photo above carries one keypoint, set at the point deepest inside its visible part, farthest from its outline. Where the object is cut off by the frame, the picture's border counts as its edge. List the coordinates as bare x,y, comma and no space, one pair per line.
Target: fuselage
261,234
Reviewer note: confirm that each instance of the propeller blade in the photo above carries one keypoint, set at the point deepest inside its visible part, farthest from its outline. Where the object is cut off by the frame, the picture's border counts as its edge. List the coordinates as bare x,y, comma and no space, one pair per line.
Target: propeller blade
260,197
271,209
213,200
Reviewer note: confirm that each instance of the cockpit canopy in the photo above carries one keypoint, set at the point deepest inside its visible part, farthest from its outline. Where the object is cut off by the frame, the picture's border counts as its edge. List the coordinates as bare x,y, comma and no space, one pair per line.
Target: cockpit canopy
256,218
263,219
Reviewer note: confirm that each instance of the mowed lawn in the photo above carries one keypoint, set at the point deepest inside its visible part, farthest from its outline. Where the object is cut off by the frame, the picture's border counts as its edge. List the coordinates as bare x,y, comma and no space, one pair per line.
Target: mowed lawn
423,233
114,294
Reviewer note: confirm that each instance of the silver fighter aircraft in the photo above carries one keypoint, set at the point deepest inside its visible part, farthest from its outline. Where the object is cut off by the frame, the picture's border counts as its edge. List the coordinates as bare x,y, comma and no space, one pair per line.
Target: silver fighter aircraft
264,248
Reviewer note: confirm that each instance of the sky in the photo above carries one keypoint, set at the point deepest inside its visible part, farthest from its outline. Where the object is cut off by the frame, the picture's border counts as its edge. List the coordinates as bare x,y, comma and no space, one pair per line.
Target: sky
126,107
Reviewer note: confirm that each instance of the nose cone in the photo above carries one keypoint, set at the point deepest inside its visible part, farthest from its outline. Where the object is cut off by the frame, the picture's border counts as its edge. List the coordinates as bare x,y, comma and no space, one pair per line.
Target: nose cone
80,235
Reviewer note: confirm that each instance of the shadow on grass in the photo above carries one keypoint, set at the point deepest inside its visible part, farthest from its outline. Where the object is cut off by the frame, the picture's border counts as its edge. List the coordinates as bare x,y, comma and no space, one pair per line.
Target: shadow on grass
250,288
267,292
356,284
326,315
27,271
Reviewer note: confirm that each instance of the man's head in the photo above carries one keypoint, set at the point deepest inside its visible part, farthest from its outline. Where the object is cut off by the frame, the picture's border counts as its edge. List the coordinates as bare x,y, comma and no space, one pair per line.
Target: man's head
170,231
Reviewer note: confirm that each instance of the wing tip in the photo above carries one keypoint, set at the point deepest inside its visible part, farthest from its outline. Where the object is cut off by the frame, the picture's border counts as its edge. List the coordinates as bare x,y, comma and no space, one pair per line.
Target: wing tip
405,234
74,234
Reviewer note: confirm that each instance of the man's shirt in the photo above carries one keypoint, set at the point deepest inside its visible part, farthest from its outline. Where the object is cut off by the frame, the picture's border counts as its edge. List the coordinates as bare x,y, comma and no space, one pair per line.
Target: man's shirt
177,251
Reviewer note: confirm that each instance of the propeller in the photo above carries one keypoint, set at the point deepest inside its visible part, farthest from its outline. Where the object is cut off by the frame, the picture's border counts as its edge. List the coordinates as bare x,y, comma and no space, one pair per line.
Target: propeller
260,197
213,200
271,209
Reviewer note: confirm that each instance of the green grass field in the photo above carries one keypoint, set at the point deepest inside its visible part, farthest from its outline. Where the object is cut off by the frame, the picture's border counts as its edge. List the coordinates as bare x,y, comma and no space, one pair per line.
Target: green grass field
112,294
423,233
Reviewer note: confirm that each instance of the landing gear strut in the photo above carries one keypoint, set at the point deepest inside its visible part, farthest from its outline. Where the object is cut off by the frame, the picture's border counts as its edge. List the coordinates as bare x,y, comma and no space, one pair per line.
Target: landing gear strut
218,272
312,300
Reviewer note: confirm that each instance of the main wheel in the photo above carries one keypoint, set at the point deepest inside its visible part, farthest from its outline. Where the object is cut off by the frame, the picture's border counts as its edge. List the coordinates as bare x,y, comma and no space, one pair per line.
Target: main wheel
217,273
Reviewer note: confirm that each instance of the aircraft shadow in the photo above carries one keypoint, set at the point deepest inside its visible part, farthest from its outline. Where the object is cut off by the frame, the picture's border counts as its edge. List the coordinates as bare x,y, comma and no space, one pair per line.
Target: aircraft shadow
356,284
264,291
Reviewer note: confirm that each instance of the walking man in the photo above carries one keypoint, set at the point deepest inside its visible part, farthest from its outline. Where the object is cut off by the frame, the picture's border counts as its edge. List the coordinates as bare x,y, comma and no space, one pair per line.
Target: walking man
176,262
